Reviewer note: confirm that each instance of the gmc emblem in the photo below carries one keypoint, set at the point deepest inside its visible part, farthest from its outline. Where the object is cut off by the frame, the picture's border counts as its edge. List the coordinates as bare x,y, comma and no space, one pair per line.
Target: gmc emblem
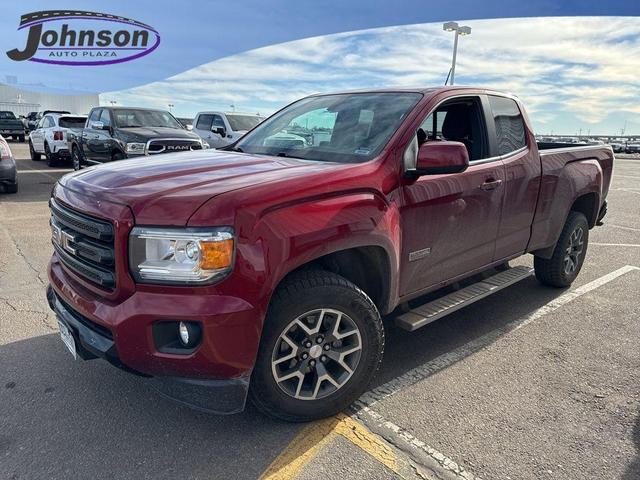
63,239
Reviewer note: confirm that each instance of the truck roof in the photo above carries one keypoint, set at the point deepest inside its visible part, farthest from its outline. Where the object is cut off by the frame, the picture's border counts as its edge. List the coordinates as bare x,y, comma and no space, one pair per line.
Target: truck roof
424,90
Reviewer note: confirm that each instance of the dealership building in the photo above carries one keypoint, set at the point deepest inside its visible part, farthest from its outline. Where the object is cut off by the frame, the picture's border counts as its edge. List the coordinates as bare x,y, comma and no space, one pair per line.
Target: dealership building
32,98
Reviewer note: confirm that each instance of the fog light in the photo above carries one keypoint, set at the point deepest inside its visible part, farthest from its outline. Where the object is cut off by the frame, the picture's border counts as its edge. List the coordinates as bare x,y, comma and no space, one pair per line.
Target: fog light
184,333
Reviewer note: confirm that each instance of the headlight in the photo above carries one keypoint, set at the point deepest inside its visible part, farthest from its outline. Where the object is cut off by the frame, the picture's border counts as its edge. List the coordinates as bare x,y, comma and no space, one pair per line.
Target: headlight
181,256
135,148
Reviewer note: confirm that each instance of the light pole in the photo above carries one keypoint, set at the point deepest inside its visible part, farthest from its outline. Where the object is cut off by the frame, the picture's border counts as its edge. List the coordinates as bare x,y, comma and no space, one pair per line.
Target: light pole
459,30
112,102
170,105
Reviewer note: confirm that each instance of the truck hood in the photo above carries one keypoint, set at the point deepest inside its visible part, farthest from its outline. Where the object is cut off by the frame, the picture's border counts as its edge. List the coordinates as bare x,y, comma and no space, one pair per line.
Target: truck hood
167,189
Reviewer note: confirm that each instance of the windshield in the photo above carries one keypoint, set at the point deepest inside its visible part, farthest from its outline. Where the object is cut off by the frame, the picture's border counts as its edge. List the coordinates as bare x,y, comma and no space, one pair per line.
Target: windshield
346,128
7,116
128,118
239,123
72,122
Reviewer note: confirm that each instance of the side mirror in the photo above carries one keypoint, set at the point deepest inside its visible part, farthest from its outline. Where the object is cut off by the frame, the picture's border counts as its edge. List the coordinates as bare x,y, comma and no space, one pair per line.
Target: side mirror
97,126
189,127
220,131
441,157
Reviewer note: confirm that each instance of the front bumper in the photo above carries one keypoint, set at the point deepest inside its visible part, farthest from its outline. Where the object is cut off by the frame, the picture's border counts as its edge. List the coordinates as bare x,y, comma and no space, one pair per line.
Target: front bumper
214,378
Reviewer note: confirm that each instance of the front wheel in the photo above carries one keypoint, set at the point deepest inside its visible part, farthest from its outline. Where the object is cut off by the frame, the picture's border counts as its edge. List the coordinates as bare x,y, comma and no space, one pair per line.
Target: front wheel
321,345
568,256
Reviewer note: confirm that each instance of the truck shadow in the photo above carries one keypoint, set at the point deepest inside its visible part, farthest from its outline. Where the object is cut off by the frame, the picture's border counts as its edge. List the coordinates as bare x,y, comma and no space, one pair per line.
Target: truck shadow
633,470
87,419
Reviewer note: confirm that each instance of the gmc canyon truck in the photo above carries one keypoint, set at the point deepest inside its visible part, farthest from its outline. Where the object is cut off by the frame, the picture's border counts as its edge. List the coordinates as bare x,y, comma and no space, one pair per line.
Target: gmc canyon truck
264,271
116,133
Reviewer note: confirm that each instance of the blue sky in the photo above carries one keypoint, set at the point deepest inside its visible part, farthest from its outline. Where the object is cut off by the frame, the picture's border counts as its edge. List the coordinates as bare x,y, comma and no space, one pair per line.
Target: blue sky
572,72
199,31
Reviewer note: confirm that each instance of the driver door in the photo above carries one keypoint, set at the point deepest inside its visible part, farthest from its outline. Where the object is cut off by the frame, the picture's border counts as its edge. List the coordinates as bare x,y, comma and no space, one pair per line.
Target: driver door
450,222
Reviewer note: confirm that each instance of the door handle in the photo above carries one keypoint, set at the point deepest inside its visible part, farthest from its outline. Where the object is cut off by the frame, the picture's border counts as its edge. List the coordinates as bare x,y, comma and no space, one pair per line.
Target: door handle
490,184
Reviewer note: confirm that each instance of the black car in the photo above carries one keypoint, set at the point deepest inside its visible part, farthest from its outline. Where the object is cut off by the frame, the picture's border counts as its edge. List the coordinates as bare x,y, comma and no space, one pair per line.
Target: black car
116,133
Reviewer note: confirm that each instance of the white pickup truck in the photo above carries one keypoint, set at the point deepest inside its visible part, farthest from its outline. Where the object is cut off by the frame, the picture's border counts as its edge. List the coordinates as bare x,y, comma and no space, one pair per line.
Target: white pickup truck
219,129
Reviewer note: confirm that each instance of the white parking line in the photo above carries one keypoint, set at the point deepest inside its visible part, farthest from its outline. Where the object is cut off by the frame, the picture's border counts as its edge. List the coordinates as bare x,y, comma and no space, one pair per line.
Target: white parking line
623,227
614,244
400,436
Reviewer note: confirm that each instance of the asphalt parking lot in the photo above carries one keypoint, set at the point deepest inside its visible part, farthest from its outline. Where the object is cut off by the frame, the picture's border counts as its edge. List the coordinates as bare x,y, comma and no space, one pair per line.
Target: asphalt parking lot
530,383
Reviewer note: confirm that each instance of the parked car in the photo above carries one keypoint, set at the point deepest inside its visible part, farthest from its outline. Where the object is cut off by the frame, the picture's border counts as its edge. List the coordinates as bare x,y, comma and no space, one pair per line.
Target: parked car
32,119
116,133
633,147
8,171
265,269
10,126
617,146
51,135
219,129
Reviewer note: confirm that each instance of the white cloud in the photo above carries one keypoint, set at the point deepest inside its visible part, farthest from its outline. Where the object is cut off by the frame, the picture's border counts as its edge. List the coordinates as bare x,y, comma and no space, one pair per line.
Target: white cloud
577,69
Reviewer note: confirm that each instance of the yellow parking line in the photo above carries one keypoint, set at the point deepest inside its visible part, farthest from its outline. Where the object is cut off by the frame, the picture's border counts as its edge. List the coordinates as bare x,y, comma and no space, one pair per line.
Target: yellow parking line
301,450
311,439
361,437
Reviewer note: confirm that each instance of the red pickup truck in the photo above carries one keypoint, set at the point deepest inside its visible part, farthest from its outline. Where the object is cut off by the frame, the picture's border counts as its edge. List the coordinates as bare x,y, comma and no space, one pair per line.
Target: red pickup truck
265,270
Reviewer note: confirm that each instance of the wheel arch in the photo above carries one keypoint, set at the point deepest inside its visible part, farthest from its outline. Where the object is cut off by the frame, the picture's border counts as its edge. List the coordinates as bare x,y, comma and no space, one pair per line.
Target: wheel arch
369,267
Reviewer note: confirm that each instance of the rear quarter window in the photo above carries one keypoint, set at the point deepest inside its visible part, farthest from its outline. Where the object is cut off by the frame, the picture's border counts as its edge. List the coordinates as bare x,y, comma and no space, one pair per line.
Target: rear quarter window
72,122
509,124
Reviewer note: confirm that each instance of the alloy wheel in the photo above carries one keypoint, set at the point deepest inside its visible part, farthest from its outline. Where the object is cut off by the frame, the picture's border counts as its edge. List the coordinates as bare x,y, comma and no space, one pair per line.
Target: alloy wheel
574,250
316,354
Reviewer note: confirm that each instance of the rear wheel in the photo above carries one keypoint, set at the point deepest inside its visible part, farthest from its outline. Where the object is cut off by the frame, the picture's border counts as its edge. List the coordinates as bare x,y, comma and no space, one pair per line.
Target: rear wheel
11,188
34,155
568,256
75,158
52,158
21,138
321,345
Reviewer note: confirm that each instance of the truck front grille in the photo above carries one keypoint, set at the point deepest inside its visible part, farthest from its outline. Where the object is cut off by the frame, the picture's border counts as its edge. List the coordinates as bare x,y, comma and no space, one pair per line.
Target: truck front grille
84,244
172,145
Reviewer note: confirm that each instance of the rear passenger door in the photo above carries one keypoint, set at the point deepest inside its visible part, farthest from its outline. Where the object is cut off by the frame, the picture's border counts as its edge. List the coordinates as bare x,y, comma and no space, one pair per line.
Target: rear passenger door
522,175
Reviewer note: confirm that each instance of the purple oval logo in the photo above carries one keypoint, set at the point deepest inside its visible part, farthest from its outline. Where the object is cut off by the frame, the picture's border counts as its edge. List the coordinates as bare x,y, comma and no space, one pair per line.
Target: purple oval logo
80,38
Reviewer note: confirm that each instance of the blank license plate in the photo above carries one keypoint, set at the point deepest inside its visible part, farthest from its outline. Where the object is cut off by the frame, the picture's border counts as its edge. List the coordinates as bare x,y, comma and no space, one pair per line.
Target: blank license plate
67,338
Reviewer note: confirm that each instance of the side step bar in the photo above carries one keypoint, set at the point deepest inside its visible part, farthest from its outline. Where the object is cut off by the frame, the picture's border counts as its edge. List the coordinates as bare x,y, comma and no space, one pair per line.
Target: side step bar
436,309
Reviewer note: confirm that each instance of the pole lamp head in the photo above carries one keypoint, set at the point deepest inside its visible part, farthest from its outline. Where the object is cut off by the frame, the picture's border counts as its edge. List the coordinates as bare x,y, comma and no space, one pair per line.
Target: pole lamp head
450,26
464,30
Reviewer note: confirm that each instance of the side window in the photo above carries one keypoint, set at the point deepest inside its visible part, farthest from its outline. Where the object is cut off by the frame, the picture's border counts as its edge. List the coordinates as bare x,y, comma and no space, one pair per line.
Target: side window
204,122
95,115
458,120
509,124
105,118
432,126
217,121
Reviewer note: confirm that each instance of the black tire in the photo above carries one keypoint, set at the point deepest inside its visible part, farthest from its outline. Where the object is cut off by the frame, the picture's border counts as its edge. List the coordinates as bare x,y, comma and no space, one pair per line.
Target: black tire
305,292
21,138
564,265
34,155
52,158
76,159
11,188
117,156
